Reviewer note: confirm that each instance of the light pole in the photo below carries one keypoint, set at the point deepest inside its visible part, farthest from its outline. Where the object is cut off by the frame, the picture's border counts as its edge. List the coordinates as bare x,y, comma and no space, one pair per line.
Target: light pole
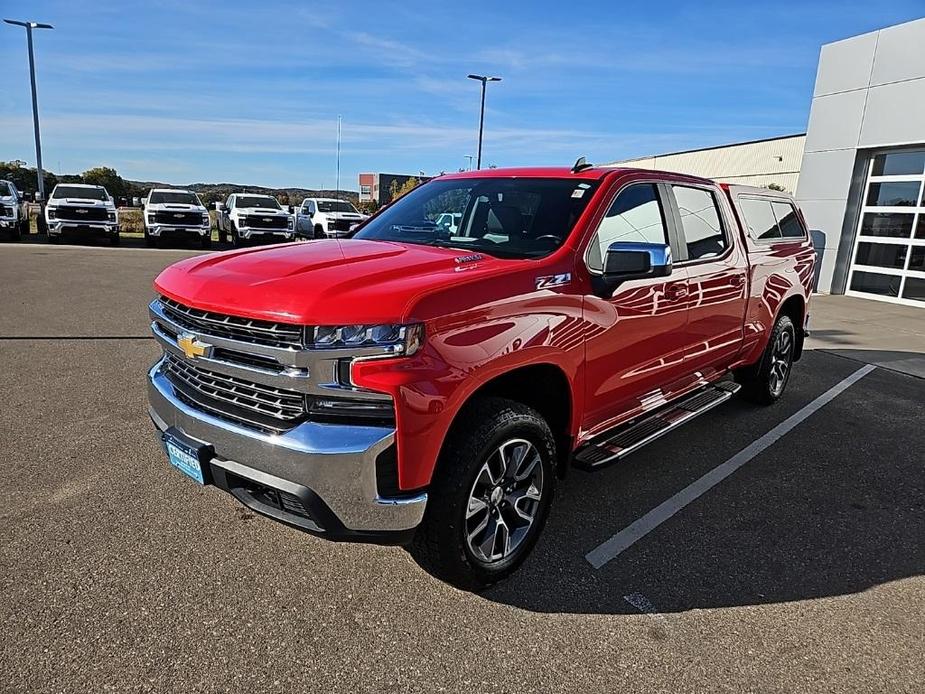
29,26
337,176
484,79
469,157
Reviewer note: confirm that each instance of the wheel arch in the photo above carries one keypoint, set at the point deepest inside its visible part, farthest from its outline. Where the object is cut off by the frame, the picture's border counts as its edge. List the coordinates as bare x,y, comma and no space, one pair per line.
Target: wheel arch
544,387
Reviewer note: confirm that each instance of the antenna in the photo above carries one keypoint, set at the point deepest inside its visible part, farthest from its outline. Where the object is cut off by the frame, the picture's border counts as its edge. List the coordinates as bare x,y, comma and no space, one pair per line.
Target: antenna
580,165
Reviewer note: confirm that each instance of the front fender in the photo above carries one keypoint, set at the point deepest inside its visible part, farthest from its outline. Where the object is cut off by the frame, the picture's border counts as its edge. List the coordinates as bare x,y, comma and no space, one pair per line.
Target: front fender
431,388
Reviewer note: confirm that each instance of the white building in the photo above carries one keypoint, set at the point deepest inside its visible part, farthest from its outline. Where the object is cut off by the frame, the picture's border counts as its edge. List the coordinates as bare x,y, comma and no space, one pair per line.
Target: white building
761,163
860,182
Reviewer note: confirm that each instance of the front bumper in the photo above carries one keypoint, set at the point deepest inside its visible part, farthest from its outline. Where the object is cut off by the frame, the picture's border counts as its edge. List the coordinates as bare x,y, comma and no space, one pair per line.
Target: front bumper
168,230
329,468
254,232
8,222
58,226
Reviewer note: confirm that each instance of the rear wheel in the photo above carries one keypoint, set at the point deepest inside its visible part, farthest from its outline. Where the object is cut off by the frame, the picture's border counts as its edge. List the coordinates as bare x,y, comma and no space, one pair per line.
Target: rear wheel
490,496
765,382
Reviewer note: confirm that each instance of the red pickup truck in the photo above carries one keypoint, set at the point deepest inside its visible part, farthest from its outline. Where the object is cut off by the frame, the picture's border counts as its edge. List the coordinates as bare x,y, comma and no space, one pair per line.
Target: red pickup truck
427,380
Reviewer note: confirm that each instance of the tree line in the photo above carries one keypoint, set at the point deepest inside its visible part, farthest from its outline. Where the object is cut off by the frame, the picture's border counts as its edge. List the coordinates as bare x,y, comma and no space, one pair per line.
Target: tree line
123,190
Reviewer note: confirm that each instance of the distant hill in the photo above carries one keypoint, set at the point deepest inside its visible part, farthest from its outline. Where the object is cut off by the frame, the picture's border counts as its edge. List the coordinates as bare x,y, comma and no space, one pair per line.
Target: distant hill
211,192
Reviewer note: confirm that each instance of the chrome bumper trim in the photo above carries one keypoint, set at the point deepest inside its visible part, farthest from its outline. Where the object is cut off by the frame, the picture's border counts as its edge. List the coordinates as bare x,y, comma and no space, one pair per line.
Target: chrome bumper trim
336,462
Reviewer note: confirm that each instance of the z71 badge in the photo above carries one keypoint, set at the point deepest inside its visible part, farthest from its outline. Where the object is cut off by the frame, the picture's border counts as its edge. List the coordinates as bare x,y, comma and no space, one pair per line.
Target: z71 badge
553,280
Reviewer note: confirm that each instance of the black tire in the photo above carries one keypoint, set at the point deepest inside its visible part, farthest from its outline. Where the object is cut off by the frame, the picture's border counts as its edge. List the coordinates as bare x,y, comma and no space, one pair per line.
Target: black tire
16,233
206,241
150,241
114,240
236,241
54,238
441,544
319,232
765,382
41,224
24,227
222,236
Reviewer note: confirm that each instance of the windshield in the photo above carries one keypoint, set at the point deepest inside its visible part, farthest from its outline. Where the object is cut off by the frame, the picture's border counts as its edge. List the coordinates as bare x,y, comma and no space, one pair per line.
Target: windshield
80,192
6,189
256,201
505,217
164,197
336,206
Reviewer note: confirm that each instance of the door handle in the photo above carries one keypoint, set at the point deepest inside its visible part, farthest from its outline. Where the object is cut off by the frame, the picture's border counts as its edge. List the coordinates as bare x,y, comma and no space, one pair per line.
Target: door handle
676,291
737,281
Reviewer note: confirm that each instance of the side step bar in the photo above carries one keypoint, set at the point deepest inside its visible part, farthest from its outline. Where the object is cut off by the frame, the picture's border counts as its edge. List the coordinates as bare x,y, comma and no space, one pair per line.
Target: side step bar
616,444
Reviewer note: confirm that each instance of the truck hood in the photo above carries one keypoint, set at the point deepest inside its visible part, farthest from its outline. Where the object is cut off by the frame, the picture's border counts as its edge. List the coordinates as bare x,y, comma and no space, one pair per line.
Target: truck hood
87,202
260,210
174,207
326,282
343,215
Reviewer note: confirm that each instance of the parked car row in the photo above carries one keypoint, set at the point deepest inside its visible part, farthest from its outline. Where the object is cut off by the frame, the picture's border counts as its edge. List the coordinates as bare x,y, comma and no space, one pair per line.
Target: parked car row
169,213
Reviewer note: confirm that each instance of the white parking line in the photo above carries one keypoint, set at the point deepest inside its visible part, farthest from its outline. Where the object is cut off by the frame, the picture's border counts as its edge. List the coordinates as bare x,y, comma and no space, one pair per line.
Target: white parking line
609,549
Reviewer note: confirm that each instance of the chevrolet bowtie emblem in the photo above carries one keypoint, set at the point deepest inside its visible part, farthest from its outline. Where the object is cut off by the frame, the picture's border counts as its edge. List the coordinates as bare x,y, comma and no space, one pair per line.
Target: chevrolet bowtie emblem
192,347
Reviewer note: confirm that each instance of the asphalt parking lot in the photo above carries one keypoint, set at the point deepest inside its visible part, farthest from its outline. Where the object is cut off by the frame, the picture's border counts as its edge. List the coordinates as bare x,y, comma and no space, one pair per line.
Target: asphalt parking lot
803,570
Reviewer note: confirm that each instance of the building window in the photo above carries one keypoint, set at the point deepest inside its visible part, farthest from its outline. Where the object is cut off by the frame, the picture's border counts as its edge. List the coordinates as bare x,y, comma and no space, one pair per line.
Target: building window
889,253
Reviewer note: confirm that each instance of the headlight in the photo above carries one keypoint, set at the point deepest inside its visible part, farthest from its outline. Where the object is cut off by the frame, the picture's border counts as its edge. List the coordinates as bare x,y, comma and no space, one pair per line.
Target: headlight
206,220
150,219
331,224
52,212
396,339
112,216
290,222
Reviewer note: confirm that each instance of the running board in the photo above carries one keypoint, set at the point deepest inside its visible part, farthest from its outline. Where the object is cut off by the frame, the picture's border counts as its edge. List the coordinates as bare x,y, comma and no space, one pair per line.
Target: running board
616,444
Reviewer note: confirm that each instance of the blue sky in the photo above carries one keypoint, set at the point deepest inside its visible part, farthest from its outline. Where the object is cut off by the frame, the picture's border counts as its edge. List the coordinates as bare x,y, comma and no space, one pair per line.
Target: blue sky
250,92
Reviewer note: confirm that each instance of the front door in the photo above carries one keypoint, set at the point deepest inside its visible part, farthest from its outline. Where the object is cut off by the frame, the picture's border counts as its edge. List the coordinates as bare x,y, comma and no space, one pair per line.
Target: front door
636,341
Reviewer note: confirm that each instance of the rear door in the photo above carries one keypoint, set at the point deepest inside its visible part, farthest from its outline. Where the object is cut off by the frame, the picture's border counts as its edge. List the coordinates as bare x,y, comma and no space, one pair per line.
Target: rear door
635,348
712,255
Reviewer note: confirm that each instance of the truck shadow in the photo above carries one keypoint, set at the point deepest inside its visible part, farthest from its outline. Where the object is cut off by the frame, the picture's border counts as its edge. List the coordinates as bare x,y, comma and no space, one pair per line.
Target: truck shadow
835,507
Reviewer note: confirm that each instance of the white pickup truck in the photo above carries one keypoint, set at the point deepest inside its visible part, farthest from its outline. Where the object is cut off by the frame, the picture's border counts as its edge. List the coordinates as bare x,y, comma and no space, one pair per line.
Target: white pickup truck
320,218
85,210
172,213
14,211
245,217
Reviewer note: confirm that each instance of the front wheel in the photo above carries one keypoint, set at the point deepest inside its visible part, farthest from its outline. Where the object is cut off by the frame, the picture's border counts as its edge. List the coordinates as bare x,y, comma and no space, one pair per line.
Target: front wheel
490,496
206,241
765,382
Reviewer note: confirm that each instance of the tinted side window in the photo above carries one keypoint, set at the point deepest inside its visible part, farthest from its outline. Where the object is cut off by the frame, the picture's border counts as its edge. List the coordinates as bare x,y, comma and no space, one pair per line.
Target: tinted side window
789,221
703,232
634,217
759,219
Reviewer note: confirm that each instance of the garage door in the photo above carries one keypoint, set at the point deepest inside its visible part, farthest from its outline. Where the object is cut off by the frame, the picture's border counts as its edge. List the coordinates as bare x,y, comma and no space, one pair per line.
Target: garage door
888,261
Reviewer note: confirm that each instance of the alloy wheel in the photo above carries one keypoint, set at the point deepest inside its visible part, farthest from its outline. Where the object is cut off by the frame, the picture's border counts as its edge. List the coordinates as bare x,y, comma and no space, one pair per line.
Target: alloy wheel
504,501
781,360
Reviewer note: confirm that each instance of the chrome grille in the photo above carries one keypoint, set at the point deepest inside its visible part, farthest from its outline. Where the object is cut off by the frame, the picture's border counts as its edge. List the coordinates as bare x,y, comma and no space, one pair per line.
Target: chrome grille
259,332
235,398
